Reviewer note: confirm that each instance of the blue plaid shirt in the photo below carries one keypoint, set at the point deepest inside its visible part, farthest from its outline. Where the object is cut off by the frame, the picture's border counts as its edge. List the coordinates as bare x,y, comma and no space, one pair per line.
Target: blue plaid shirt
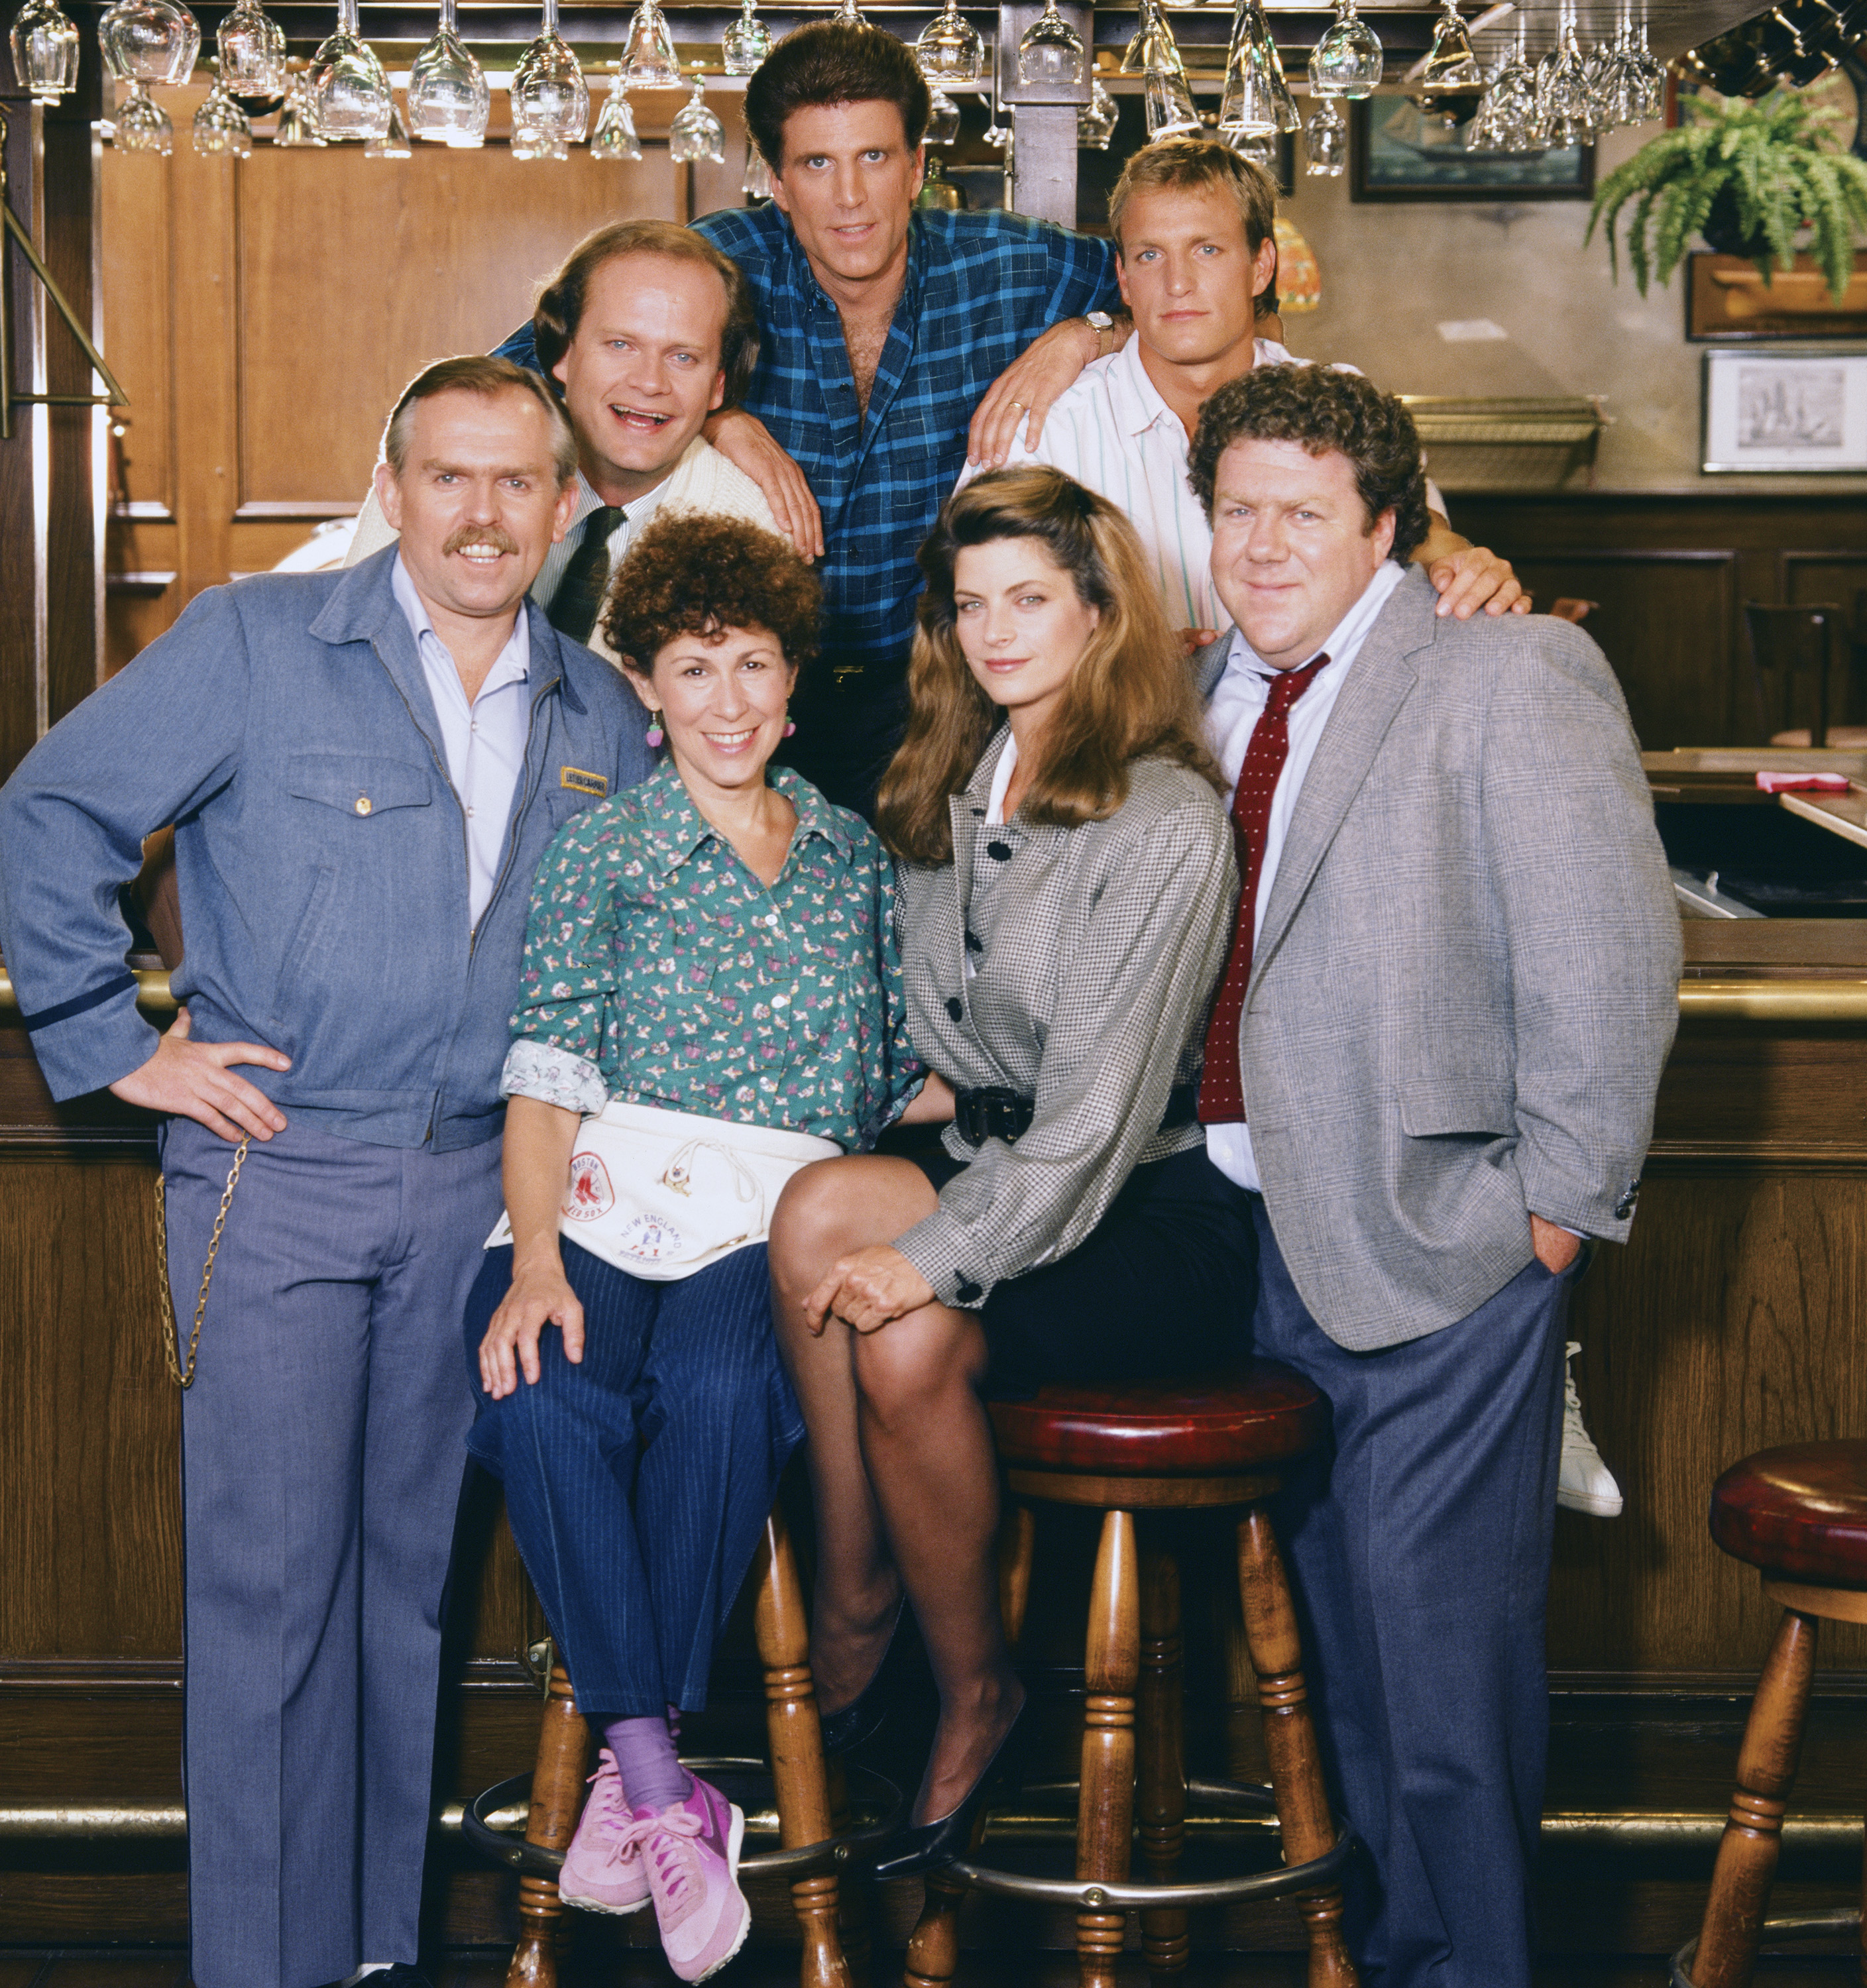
980,287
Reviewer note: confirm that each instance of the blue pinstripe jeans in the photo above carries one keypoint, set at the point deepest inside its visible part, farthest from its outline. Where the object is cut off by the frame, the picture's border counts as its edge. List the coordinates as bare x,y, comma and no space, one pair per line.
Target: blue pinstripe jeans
637,1481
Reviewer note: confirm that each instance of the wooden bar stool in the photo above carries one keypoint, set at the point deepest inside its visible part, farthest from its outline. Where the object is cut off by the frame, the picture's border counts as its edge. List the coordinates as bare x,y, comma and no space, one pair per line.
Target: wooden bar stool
809,1807
1799,1514
1143,1451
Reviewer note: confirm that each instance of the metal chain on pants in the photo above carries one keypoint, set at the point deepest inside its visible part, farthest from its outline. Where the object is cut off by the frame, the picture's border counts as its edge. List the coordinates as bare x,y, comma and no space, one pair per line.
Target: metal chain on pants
170,1335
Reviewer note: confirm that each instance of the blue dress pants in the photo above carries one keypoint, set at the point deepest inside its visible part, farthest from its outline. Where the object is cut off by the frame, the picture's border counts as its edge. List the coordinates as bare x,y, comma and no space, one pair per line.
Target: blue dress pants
637,1481
1419,1545
322,1469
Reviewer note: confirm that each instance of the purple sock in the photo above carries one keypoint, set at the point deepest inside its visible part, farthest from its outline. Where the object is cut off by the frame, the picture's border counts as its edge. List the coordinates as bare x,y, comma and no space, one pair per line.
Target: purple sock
652,1776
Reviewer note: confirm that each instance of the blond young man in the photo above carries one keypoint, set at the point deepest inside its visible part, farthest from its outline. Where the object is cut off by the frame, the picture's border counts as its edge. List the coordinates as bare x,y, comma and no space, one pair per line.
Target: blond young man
1197,262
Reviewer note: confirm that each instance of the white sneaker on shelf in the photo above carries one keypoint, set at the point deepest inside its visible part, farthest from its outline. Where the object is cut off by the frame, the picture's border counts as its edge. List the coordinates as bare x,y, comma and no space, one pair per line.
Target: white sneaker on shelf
1584,1482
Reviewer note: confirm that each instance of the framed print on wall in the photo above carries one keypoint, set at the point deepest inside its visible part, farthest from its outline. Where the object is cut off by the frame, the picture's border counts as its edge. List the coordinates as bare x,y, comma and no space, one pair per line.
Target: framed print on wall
1397,152
1785,413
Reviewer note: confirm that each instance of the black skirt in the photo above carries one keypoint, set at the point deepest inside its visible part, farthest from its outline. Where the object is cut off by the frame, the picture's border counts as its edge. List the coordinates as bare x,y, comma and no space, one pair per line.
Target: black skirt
1163,1285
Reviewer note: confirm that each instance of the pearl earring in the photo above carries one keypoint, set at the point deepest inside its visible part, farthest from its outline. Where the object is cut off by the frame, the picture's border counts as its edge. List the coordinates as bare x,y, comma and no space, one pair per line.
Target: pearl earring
655,734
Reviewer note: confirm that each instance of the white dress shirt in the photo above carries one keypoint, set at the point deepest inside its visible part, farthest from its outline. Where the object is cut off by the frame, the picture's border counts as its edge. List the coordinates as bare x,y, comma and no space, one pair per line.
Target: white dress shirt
635,514
1231,717
1114,433
484,742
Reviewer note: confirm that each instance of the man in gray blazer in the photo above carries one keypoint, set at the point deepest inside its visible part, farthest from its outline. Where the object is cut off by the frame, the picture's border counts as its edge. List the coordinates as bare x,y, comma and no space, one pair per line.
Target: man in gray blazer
1432,1066
364,768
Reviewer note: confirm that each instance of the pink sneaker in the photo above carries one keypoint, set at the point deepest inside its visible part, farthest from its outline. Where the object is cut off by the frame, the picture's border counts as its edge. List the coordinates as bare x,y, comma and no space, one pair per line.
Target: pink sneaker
603,1869
691,1853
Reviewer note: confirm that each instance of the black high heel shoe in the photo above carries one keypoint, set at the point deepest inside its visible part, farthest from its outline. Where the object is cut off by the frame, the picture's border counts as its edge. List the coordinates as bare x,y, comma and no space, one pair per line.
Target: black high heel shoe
861,1719
910,1852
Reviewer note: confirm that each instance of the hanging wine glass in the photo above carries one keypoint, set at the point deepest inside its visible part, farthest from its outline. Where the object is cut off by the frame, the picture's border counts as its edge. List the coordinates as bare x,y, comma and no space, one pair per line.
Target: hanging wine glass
1169,104
149,41
755,181
44,41
746,42
1562,90
648,51
1325,139
395,143
1260,147
348,87
1255,96
1650,95
142,124
448,99
696,134
252,45
550,99
1151,45
1347,62
951,49
1486,132
615,137
998,134
221,129
1051,52
942,118
298,116
1512,97
1096,120
1450,64
848,14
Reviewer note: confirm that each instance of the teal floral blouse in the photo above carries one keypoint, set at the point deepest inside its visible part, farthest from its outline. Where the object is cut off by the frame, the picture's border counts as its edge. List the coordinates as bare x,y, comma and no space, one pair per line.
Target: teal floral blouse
660,971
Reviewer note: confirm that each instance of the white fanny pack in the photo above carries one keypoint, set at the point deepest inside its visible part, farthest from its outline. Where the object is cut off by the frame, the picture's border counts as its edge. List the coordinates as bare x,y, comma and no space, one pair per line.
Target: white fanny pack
663,1194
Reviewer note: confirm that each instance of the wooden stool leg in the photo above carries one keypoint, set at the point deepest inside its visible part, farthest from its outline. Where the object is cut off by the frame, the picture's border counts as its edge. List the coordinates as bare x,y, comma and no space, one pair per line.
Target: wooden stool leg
557,1800
933,1947
852,1898
1161,1746
1863,1934
1105,1816
1290,1740
796,1737
1753,1836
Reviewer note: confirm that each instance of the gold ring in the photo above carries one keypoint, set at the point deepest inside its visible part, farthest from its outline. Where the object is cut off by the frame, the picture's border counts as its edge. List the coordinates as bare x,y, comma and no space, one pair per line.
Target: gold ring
1018,404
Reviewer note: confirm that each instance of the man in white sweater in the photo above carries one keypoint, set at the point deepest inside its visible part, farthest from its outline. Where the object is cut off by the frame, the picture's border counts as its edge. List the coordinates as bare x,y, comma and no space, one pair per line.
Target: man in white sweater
647,328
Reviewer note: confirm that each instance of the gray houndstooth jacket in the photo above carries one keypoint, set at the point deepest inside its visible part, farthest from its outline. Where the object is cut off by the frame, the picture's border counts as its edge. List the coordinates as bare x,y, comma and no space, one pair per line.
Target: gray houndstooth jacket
1109,940
1466,981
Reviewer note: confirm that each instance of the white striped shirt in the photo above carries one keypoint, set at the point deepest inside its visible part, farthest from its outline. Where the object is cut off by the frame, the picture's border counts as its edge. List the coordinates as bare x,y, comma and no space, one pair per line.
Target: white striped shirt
1114,433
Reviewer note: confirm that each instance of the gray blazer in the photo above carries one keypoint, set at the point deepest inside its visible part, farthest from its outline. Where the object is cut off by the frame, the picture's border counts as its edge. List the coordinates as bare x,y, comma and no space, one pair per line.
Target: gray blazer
1467,980
1107,945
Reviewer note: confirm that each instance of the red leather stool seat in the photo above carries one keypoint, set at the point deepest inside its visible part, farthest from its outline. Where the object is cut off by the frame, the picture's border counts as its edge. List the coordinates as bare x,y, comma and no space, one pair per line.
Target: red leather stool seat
1801,1510
1251,1417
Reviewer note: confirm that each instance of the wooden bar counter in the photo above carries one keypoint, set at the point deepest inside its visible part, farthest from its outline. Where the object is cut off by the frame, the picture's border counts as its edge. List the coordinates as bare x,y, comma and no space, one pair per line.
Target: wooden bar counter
1732,1320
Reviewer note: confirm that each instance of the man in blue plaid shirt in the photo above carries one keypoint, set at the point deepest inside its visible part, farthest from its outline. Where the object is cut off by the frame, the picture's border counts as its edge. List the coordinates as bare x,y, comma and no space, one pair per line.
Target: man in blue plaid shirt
882,329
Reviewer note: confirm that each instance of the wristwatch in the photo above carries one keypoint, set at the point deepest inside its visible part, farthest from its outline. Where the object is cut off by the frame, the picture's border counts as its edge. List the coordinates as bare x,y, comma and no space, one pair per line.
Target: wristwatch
1104,326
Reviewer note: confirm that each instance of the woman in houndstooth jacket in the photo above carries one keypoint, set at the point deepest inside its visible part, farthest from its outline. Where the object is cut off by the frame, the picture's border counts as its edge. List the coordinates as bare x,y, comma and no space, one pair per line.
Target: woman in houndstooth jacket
1066,884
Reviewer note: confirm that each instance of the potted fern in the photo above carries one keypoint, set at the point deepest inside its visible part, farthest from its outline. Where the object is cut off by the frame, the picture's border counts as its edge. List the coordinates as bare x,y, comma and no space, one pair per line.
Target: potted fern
1746,177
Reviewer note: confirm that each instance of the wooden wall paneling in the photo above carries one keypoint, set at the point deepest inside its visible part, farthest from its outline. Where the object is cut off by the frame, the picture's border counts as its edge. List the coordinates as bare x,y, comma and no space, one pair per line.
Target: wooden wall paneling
1840,578
136,239
22,578
89,1477
74,554
1664,618
1729,1323
353,274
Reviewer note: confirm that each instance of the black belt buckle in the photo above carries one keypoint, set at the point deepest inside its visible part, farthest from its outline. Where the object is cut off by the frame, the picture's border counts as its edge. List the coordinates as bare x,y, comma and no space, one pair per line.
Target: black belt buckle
994,1111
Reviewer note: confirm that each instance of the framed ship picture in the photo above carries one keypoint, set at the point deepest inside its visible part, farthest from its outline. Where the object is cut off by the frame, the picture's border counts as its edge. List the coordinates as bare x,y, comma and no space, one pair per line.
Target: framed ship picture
1398,152
1785,413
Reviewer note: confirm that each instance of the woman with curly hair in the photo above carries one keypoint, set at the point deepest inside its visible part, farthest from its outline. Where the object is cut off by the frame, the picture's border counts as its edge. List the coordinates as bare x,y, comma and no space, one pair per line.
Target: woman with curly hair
711,998
1067,886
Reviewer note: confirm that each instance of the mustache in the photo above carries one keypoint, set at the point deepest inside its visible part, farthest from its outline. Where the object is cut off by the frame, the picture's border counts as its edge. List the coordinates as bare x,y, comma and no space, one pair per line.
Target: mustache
500,540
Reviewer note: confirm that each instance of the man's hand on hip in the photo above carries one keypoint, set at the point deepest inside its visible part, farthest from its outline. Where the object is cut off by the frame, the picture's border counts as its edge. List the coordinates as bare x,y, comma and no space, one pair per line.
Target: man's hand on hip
192,1080
1556,1248
746,443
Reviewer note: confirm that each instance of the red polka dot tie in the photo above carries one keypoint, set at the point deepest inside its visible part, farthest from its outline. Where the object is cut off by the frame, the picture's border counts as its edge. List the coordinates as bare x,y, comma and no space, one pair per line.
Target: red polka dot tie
1222,1097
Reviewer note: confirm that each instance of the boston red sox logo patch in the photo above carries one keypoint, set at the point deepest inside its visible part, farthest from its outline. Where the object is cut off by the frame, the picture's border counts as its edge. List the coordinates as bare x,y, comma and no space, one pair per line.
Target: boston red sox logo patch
591,1197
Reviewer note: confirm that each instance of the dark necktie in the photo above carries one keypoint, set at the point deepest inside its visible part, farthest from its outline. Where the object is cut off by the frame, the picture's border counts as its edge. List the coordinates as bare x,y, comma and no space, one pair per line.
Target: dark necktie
1222,1096
580,586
